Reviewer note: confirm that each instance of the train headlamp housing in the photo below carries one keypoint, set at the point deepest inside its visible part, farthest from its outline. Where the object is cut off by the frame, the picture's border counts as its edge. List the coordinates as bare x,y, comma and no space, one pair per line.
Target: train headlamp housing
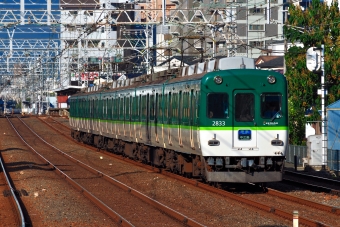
271,79
218,79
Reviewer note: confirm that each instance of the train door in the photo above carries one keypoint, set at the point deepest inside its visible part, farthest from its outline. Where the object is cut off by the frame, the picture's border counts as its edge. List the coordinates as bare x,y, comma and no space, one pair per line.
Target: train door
244,123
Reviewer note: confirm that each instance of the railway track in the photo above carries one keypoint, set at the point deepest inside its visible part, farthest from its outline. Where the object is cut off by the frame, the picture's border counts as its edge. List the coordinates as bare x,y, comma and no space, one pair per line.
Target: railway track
315,183
95,185
12,212
328,213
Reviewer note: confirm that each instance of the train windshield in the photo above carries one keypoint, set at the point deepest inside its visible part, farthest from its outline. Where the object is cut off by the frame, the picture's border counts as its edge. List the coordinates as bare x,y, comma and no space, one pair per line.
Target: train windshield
217,105
270,105
244,107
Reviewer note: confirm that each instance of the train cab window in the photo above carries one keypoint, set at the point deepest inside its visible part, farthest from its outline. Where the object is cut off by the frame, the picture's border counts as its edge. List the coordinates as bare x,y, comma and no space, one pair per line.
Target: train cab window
217,105
271,105
244,107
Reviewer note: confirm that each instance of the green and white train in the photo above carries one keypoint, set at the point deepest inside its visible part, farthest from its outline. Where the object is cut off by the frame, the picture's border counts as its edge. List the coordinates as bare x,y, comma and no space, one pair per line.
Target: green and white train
221,120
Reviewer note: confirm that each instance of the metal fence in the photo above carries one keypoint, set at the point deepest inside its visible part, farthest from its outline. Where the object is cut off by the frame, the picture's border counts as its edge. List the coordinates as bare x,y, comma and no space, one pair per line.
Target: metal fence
333,160
299,151
333,156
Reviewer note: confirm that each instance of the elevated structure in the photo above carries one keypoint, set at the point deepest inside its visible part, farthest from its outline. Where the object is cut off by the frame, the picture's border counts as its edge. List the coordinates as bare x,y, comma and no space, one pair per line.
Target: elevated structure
80,40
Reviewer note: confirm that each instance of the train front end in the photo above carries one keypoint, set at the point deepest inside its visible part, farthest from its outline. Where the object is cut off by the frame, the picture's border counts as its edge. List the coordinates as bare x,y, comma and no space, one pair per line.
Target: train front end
243,125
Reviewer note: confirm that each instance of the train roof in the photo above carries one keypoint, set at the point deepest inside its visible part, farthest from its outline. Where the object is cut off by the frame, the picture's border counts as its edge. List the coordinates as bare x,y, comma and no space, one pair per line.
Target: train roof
188,73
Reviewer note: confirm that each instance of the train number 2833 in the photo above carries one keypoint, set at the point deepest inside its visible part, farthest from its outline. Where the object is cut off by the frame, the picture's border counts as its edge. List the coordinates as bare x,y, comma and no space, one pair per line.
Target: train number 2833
218,123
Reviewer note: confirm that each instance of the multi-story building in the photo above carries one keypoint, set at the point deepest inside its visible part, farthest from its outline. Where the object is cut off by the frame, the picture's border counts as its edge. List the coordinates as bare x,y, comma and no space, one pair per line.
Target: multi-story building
229,28
86,38
99,40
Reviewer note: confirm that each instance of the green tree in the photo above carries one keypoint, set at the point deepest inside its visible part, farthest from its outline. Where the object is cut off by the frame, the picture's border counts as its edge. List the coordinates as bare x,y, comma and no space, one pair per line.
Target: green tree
318,24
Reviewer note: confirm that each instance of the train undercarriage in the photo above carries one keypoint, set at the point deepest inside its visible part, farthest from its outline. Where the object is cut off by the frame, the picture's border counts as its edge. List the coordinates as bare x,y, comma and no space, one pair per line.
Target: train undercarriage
209,169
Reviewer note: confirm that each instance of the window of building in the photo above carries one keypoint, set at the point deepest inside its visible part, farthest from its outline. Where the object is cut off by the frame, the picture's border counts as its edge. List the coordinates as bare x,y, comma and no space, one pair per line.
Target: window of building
221,44
93,43
89,13
256,10
256,43
256,27
70,28
71,43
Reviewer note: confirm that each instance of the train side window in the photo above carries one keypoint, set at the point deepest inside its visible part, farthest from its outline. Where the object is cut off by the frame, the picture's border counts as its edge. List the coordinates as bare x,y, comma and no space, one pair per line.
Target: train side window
192,109
118,107
166,108
160,108
174,102
106,105
180,107
152,107
135,108
217,105
244,107
156,107
114,104
196,102
121,108
270,104
144,108
169,114
140,108
109,109
132,104
111,106
95,106
92,108
127,108
185,108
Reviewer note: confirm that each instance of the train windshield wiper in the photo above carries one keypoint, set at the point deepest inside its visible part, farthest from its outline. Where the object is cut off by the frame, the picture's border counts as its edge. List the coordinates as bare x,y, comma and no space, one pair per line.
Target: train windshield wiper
276,115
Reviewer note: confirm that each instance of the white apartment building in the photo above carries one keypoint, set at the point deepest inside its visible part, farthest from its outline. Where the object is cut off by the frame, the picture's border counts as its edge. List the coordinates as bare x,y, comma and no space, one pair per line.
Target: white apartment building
89,42
231,28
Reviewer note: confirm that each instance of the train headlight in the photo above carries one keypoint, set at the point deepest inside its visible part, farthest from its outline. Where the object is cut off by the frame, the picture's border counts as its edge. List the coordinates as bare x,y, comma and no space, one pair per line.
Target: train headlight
218,79
277,142
271,79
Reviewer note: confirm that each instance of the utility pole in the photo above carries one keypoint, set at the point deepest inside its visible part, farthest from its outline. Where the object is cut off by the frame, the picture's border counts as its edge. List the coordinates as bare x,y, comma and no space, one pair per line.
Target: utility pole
315,59
284,43
323,115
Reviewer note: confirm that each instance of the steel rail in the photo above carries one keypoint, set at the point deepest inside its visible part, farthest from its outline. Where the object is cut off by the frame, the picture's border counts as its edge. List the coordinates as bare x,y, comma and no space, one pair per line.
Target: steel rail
322,179
114,215
18,206
167,210
317,179
269,209
334,210
317,187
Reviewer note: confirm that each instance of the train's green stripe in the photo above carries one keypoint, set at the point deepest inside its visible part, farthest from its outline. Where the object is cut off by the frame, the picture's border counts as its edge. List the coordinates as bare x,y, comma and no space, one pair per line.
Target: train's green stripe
202,128
138,123
245,127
